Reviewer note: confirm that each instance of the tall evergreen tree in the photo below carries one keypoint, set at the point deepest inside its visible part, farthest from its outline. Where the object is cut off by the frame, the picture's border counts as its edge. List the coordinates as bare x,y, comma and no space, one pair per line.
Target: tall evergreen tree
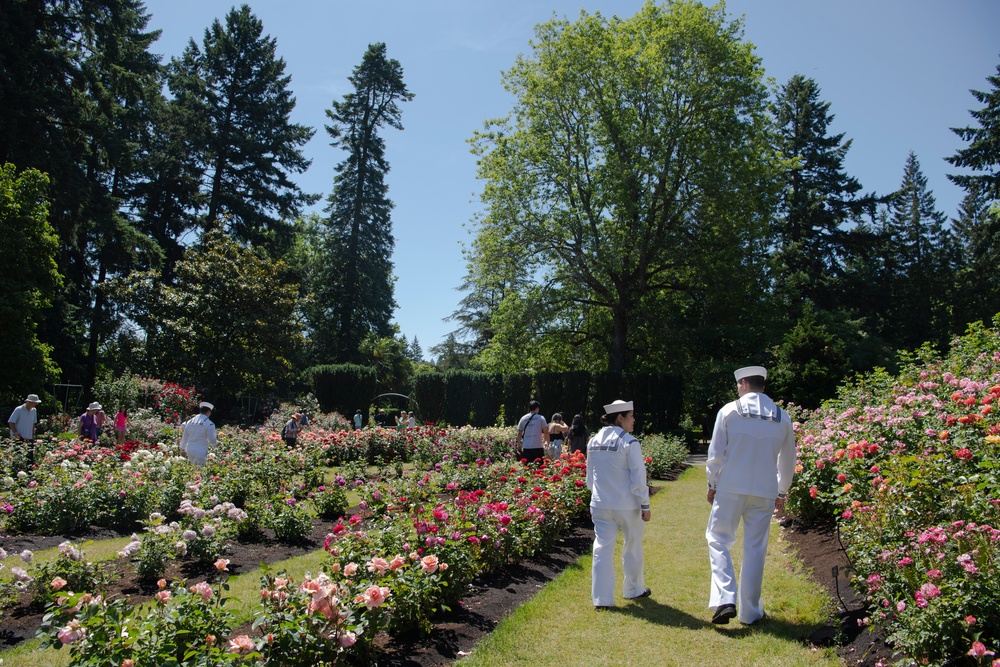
817,199
78,84
236,105
977,232
922,256
982,155
354,289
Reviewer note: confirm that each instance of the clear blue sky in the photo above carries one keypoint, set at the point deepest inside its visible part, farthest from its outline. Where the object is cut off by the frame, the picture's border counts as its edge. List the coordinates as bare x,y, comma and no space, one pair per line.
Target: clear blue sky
896,72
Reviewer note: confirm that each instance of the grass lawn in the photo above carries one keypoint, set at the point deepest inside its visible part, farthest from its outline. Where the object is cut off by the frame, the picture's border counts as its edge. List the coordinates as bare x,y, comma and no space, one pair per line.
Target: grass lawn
559,626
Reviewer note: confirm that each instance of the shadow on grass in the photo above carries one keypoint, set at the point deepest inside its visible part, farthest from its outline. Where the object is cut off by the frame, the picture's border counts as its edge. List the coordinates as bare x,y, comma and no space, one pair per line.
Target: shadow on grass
652,611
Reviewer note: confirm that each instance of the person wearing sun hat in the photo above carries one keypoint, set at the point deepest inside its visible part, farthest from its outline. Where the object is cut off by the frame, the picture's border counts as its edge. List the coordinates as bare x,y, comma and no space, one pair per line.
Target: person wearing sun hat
751,462
199,434
22,423
616,477
88,423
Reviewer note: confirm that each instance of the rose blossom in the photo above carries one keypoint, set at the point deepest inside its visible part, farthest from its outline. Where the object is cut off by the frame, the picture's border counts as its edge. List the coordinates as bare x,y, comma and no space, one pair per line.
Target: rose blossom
222,565
241,644
58,583
71,632
379,565
374,596
429,564
347,639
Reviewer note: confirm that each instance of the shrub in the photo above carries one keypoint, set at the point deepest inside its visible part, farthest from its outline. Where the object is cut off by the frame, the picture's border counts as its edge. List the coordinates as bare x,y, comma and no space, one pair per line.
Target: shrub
664,454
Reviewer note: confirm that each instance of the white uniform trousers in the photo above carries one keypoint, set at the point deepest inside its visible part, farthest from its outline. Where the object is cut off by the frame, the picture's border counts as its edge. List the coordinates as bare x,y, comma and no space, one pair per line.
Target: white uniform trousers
727,510
607,524
197,453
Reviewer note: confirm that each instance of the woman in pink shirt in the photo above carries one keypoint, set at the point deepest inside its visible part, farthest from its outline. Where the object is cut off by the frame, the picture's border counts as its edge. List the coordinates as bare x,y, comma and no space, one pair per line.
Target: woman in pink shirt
121,425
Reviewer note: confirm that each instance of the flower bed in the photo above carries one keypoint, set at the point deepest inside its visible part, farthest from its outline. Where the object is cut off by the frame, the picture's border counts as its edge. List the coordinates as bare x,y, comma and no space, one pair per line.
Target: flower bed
908,467
421,540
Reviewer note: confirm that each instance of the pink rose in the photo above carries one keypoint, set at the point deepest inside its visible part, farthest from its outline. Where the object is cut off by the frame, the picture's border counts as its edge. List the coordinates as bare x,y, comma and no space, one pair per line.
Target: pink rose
162,597
57,583
241,644
379,565
222,565
429,564
375,596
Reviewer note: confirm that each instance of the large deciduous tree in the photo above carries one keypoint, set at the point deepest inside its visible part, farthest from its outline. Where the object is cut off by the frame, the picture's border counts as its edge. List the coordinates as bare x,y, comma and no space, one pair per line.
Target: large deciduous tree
353,284
235,100
28,282
634,147
228,324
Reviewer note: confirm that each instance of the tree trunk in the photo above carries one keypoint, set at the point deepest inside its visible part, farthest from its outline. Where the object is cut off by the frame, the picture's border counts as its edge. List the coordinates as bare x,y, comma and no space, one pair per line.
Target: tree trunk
619,333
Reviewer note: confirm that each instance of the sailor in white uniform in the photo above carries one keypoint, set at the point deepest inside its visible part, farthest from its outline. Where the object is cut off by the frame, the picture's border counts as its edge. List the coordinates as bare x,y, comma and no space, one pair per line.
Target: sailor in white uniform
199,435
751,461
616,476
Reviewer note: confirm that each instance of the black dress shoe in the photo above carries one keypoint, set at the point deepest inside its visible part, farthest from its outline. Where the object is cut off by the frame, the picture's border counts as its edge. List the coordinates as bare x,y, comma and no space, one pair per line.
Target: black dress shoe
763,617
602,607
723,614
645,594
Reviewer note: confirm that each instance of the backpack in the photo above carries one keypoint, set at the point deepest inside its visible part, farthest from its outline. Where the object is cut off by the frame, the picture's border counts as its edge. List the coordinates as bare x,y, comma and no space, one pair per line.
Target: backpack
284,430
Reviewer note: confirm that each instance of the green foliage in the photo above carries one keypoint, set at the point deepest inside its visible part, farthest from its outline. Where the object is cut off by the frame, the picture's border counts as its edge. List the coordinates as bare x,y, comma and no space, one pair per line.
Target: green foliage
330,500
288,518
227,299
428,391
458,397
234,94
516,395
351,277
665,454
342,387
583,192
907,466
29,281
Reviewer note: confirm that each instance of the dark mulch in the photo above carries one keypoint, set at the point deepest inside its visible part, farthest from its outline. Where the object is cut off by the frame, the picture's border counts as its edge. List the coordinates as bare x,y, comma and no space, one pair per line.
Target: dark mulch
820,551
490,598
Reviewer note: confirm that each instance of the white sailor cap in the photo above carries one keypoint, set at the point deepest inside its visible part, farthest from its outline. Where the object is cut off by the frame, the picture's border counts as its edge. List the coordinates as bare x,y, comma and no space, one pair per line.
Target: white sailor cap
750,371
206,404
618,406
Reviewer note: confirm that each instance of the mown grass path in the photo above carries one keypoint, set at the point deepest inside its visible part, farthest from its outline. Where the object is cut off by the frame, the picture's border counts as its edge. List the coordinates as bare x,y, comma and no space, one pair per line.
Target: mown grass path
560,627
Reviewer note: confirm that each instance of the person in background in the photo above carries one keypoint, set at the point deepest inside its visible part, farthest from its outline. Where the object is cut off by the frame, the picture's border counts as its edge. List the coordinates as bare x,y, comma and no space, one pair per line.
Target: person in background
99,419
532,434
578,435
557,431
750,465
88,423
290,433
401,420
411,421
121,425
619,503
381,419
304,421
358,420
199,434
22,423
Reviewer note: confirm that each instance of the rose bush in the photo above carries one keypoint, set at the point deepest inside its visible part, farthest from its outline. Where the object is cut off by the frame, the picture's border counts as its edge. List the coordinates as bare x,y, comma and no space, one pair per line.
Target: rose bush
907,467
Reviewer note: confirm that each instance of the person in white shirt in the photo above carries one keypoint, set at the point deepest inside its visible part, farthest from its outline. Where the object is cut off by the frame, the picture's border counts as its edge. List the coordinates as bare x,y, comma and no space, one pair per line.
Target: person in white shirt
411,421
616,477
751,462
532,434
199,435
22,424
